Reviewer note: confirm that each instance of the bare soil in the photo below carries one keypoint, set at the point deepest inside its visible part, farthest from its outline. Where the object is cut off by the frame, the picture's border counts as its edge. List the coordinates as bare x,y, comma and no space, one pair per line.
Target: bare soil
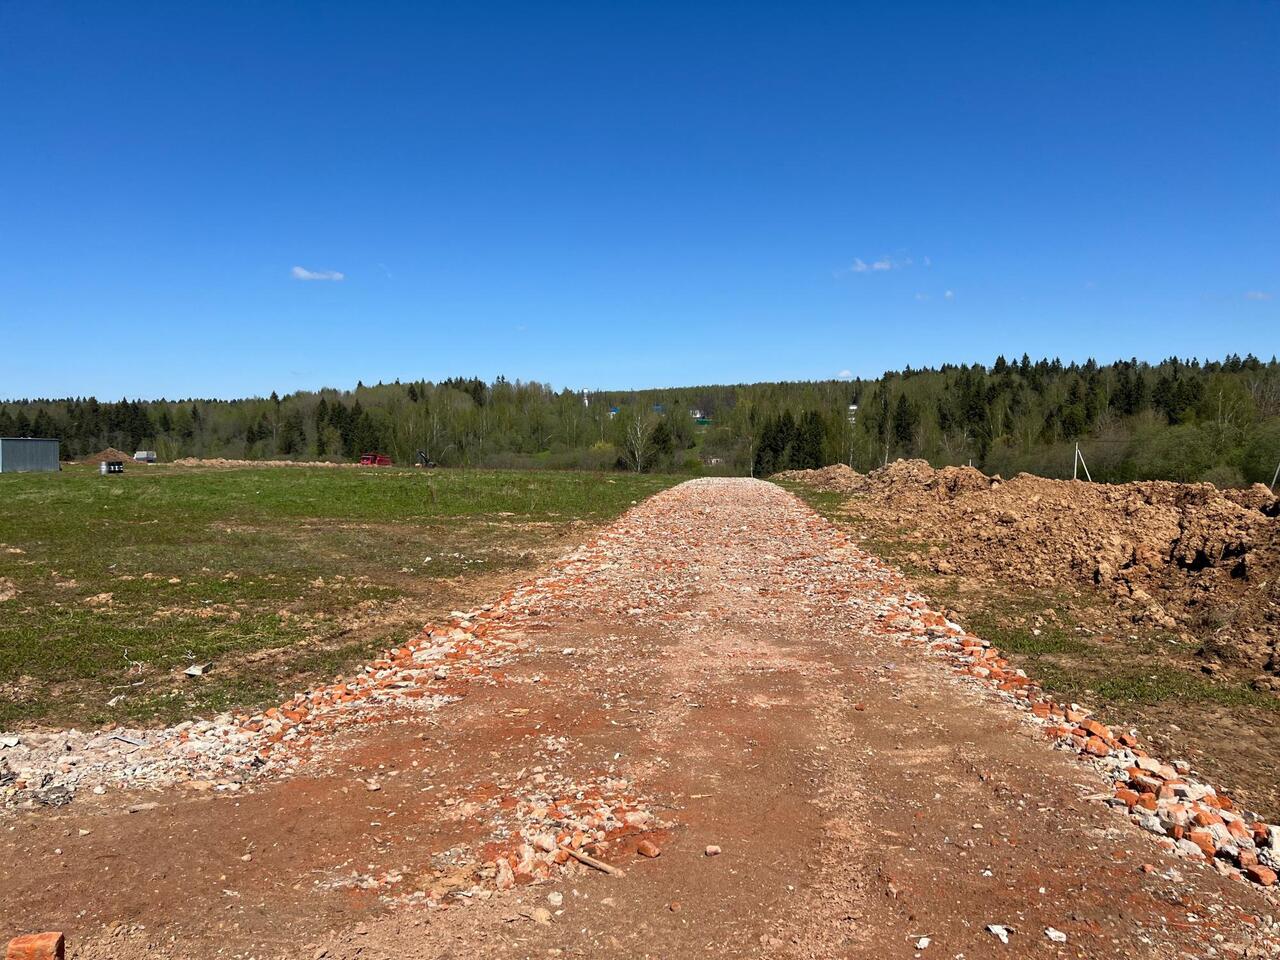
717,651
110,453
1189,558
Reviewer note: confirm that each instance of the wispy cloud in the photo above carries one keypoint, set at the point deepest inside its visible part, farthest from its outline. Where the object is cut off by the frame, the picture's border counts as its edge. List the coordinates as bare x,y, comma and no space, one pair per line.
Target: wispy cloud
1257,295
844,375
922,297
950,295
302,273
879,265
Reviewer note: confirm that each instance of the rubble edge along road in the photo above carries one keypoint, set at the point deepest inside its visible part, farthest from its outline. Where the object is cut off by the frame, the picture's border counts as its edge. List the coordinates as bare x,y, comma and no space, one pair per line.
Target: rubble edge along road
720,670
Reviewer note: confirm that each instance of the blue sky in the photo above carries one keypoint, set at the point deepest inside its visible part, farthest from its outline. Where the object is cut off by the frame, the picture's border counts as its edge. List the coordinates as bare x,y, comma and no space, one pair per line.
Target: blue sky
626,195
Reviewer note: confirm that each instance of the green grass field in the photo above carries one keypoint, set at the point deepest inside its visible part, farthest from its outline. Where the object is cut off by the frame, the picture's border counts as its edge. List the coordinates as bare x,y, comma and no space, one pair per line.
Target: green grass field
279,576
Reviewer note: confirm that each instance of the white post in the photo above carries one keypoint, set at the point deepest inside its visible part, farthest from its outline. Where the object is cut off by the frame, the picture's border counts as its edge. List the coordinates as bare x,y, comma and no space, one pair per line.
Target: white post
1075,463
1274,477
1083,464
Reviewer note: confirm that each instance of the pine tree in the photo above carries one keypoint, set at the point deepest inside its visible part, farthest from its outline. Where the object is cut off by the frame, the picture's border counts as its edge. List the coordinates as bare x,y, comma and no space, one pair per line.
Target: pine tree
905,421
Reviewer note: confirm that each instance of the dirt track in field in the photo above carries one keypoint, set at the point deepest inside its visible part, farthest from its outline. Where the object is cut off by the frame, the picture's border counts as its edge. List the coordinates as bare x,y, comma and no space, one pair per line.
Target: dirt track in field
715,664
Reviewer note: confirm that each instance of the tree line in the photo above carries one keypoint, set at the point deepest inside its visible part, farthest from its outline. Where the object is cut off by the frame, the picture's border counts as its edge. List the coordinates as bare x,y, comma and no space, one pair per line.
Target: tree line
1179,419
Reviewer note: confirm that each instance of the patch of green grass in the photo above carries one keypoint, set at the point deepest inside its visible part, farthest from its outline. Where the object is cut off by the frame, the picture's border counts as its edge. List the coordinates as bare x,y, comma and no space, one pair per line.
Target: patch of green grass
1139,670
1163,684
825,502
210,564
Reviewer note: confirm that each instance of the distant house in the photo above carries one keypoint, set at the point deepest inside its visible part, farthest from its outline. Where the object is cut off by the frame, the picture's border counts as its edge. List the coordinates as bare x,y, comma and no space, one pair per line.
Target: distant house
28,455
613,412
697,414
144,456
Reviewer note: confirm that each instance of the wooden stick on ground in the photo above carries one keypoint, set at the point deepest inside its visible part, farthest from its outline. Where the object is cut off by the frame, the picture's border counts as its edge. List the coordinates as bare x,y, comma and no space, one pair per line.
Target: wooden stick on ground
592,861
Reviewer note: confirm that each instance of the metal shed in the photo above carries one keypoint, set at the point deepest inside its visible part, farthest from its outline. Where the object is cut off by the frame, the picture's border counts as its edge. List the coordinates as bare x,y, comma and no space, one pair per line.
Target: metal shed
28,454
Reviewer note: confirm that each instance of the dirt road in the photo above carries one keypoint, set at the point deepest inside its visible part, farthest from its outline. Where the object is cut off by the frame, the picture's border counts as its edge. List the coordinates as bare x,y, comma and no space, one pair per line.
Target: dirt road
712,671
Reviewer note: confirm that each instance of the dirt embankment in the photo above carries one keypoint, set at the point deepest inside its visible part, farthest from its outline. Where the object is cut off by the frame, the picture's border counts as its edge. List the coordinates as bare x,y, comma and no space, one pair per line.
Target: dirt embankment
1176,556
107,455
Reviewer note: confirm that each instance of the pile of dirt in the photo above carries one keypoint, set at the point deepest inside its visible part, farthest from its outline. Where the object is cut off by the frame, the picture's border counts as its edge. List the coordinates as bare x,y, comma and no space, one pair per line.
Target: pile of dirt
1180,557
104,456
837,478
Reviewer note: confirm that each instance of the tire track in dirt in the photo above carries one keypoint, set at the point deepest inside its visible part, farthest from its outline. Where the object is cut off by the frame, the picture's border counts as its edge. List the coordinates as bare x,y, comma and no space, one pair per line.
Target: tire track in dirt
714,667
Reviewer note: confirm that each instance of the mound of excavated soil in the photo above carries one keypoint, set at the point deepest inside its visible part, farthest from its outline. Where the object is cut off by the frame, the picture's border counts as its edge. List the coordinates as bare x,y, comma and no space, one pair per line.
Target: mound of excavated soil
838,478
110,453
1180,556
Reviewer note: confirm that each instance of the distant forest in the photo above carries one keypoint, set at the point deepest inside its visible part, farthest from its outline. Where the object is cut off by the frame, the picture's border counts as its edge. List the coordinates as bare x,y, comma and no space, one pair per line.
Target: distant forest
1177,419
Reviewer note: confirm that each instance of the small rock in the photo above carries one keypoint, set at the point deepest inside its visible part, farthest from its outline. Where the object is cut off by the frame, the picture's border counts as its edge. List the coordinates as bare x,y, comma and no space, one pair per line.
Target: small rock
647,848
712,850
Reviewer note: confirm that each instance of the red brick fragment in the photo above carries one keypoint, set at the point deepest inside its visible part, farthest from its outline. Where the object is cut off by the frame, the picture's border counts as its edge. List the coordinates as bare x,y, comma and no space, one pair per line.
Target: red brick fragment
37,946
1129,797
1204,840
1096,747
1097,729
1260,874
647,848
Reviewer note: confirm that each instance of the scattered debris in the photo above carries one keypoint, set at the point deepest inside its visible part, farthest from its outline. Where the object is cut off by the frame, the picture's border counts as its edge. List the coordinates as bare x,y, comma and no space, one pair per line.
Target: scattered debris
1000,932
592,862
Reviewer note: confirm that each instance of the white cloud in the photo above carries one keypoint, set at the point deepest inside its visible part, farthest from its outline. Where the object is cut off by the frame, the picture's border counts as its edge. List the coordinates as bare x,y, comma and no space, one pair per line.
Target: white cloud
878,265
844,375
950,294
302,273
922,297
1257,295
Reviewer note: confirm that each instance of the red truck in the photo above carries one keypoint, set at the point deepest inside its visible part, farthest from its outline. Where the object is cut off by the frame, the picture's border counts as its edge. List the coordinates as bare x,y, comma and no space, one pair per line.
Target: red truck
375,460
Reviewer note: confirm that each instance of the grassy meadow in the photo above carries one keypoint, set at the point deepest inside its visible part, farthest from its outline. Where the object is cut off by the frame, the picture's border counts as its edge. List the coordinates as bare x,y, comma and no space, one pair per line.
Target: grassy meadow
279,576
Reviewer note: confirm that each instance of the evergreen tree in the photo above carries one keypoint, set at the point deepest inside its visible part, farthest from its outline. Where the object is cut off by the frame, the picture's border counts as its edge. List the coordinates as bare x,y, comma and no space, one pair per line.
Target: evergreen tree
905,422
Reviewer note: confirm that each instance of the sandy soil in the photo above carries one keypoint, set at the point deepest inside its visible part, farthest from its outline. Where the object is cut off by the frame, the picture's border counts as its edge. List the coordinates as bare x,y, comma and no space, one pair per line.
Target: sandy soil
713,656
